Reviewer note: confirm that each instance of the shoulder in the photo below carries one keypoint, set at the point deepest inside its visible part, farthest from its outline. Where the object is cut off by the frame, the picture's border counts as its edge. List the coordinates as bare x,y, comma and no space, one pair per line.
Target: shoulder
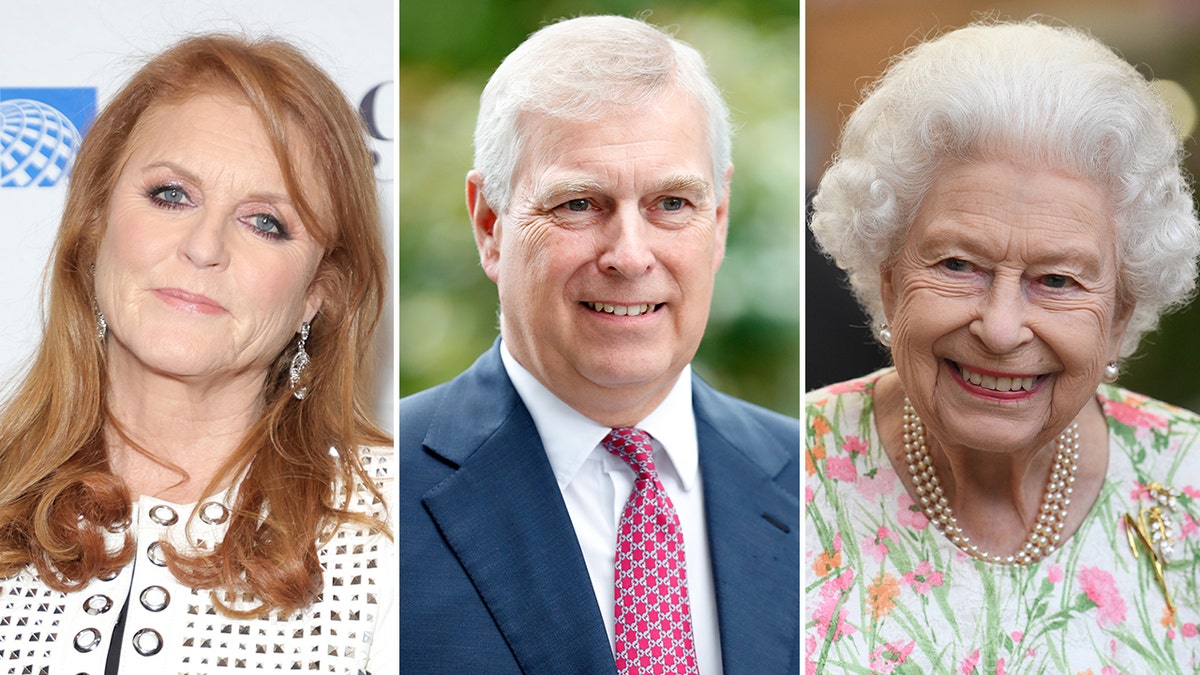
1137,411
1159,441
480,396
723,411
845,402
416,413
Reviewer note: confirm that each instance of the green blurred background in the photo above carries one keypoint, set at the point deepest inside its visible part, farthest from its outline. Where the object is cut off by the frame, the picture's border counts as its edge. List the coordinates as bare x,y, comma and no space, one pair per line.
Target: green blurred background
448,307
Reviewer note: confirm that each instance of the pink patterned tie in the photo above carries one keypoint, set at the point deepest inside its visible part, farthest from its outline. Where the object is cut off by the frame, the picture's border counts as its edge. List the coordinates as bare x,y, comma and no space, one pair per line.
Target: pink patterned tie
653,620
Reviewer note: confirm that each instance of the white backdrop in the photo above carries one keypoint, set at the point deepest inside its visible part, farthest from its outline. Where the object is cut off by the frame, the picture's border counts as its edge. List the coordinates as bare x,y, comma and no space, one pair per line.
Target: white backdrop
99,45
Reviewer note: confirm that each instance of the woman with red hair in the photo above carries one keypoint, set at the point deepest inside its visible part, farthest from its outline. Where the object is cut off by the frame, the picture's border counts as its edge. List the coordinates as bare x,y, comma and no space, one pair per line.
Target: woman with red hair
189,477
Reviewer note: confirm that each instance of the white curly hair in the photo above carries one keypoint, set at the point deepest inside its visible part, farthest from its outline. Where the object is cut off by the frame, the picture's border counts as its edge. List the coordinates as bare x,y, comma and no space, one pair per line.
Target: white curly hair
1033,94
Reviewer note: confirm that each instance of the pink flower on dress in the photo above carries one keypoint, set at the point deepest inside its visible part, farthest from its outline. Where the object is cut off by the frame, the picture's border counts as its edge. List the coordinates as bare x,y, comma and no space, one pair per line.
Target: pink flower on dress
852,386
923,578
1189,630
1054,574
1101,588
1188,527
1000,667
854,444
876,546
1192,492
876,485
1134,417
1109,670
886,657
808,494
1137,491
831,595
909,514
1017,636
842,582
968,664
810,650
841,468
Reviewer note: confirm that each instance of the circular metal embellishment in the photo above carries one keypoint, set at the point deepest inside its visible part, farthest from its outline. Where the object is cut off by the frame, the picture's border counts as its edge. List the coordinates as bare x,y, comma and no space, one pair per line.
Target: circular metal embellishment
163,515
97,604
86,640
155,598
119,528
214,513
147,642
155,553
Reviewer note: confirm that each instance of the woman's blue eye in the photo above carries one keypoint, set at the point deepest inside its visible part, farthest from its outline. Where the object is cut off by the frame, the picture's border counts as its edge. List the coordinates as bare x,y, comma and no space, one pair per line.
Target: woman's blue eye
956,265
671,203
266,224
578,205
170,194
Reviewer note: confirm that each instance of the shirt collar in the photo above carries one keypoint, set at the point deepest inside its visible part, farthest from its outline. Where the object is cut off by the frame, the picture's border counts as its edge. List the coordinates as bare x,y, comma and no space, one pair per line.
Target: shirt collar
569,437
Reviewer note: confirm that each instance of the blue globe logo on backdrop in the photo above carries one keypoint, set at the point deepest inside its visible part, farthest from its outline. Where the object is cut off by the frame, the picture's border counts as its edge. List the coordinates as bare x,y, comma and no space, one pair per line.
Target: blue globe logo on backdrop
37,143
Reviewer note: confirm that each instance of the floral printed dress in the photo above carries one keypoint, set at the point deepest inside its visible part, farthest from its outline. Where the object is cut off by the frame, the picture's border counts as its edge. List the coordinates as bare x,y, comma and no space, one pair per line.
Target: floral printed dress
888,593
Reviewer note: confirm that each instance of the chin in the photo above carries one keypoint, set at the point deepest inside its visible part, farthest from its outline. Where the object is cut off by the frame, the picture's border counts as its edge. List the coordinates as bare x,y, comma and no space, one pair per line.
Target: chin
629,373
1002,436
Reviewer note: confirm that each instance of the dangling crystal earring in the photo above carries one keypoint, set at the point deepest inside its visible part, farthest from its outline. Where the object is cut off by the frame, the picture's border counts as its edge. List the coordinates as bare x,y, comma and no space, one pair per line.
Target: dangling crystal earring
299,363
885,335
101,324
1111,371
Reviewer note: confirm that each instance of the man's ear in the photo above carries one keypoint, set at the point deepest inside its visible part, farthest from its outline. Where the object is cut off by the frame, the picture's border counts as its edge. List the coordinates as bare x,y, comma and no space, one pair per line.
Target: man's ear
485,223
722,222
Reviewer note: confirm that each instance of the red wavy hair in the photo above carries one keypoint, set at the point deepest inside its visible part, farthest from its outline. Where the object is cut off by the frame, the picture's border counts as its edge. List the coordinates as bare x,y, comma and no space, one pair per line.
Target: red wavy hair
54,465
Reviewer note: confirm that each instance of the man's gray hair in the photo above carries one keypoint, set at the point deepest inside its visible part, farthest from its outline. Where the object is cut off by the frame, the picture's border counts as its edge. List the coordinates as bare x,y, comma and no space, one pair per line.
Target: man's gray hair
583,69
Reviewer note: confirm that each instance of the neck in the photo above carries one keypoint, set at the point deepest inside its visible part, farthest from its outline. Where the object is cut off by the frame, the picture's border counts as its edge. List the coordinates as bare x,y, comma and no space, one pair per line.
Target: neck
995,497
182,432
616,409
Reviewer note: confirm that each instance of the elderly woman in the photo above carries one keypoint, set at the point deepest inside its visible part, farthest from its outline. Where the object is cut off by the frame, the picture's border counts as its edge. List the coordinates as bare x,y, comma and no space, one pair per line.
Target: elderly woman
187,477
1009,206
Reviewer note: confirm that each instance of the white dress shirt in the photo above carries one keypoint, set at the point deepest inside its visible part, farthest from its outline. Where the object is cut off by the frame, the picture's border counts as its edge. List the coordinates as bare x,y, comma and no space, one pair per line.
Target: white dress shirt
595,485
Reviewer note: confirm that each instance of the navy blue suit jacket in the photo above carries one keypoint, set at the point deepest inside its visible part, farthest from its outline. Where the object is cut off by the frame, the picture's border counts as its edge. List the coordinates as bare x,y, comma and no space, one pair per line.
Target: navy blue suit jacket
492,579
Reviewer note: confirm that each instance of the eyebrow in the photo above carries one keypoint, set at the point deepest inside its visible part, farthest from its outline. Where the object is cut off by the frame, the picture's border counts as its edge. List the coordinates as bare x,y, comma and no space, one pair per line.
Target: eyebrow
559,189
973,238
678,183
683,184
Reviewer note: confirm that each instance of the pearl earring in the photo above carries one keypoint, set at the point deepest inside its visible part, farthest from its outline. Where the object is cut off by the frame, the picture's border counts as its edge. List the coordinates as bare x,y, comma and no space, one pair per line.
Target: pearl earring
1111,371
885,335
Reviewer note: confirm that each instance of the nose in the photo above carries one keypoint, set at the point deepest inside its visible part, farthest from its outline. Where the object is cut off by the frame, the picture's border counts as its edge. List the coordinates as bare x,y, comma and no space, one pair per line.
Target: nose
1002,323
203,243
625,244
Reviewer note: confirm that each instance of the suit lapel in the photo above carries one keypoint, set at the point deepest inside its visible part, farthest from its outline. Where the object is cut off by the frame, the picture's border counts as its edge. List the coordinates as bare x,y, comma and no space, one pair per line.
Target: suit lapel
503,516
756,564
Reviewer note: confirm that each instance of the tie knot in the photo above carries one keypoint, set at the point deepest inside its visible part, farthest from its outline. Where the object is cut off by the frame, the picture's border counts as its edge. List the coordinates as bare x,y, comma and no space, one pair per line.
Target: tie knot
633,447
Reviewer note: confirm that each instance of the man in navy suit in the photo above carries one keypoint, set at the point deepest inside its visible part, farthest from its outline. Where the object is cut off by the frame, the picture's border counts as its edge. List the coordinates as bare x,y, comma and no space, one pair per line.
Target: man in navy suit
599,201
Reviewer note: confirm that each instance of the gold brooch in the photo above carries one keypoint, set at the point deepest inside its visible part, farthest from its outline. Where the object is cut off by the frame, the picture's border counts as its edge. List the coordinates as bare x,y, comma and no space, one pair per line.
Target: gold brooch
1153,528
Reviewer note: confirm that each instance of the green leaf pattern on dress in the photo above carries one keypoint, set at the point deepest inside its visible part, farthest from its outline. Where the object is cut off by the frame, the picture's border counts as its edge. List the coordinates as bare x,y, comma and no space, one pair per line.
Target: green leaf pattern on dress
887,593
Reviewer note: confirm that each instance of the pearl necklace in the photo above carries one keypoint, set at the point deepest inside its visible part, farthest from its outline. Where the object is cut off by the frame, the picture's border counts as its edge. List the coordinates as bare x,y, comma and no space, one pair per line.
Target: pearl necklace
1045,536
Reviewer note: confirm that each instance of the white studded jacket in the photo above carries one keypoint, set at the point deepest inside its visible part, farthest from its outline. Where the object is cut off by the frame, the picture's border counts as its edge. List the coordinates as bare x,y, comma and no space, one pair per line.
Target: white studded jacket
171,628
